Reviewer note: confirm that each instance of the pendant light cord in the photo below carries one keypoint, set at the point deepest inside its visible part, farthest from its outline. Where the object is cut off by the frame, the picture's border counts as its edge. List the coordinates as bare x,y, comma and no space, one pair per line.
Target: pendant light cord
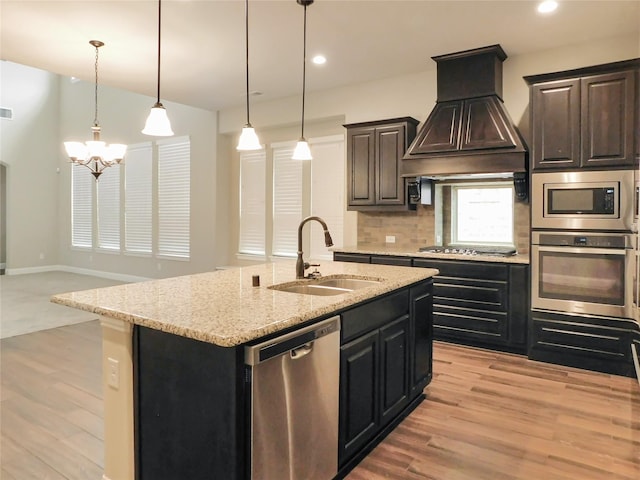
95,116
159,30
246,32
304,64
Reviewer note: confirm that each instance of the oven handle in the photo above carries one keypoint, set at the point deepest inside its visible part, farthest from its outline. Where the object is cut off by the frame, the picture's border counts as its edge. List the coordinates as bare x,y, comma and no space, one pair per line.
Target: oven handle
583,250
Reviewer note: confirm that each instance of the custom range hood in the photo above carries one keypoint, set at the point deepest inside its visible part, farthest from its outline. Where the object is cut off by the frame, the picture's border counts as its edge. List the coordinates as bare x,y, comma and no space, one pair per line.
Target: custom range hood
469,132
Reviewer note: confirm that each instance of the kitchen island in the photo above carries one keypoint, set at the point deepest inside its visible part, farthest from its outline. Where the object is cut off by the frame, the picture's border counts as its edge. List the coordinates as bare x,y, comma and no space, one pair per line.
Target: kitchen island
174,372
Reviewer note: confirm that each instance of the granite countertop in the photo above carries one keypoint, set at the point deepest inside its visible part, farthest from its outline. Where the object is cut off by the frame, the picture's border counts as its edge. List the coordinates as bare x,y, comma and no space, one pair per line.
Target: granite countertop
224,308
390,249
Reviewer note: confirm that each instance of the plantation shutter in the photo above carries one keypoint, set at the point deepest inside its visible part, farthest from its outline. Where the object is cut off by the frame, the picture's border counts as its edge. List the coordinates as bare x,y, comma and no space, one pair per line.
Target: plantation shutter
138,198
174,197
252,202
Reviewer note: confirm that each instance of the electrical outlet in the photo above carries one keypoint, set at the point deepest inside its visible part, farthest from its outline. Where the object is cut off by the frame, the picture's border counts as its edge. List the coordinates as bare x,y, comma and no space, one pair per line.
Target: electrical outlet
42,256
390,239
113,379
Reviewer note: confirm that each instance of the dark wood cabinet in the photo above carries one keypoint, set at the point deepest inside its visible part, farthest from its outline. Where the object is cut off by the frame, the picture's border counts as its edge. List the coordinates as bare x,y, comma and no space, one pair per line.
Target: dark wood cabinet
421,335
374,153
585,118
593,343
359,387
385,360
480,304
556,124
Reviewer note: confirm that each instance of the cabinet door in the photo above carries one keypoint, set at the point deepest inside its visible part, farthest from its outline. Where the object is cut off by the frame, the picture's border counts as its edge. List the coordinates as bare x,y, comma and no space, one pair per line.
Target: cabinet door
484,125
421,335
556,124
359,392
434,136
361,166
394,368
608,119
389,149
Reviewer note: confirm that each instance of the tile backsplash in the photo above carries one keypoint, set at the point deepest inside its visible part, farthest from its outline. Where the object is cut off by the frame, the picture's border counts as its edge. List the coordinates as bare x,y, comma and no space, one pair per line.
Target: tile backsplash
415,229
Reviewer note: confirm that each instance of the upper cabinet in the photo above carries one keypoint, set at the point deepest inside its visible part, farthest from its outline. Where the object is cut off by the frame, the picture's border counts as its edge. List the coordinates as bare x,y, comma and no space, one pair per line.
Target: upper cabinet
585,118
374,153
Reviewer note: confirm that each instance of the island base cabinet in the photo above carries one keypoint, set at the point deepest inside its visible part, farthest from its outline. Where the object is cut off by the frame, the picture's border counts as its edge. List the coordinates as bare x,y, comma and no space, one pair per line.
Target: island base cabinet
189,420
384,367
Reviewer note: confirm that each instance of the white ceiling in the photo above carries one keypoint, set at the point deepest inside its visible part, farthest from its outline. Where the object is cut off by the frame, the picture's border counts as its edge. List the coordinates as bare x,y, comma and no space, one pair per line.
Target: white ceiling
203,45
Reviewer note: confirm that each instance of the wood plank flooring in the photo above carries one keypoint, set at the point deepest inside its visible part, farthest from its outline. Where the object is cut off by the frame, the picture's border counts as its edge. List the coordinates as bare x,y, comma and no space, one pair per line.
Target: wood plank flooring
487,416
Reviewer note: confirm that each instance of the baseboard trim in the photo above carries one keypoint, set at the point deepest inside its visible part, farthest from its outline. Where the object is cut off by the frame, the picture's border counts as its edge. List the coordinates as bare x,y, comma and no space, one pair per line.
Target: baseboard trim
121,277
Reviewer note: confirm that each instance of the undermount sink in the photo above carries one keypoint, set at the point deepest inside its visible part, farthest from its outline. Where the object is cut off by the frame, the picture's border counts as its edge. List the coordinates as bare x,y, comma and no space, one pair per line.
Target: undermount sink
326,286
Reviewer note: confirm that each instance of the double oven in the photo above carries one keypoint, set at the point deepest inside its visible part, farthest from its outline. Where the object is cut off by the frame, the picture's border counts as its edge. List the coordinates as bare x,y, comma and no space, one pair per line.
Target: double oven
584,243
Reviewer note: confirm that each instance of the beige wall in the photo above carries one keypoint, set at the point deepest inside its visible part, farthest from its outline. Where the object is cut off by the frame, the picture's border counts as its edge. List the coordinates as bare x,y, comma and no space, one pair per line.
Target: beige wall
414,95
49,110
29,149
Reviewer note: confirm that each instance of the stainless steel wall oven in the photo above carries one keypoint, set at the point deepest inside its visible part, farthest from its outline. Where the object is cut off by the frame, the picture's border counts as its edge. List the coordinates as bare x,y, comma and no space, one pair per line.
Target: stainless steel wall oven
584,273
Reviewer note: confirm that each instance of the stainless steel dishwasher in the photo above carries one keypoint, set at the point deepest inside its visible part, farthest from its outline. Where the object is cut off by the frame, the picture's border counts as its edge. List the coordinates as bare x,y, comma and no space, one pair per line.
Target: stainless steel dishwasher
294,404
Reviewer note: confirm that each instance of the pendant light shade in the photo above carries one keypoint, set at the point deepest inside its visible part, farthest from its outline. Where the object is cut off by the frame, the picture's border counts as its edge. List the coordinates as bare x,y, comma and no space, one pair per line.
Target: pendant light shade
158,124
302,150
95,154
248,138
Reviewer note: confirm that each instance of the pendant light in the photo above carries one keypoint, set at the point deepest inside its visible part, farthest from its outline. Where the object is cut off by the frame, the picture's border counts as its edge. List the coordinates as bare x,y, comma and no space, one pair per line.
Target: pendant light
248,138
95,154
158,123
302,151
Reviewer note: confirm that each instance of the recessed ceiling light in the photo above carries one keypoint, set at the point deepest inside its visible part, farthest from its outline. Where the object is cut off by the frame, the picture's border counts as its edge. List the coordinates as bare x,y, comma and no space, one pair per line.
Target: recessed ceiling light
547,6
319,60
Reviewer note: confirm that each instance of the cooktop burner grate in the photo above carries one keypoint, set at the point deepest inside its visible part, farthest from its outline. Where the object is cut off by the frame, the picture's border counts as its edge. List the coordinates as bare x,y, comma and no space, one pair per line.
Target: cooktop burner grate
471,250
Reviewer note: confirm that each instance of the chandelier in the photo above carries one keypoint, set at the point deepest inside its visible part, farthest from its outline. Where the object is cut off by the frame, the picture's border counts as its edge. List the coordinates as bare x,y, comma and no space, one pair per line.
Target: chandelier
95,154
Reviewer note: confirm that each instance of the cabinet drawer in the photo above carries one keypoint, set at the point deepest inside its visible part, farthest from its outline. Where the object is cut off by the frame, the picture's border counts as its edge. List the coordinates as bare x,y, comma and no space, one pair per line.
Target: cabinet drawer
372,315
389,260
580,339
476,294
468,323
351,257
470,269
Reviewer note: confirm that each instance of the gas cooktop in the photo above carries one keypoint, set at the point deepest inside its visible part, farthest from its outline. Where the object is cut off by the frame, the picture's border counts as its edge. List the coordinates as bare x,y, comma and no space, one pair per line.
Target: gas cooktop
471,250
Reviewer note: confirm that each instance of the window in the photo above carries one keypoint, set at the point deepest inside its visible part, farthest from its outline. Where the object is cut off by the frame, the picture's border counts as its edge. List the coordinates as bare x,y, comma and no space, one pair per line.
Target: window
287,201
154,209
269,217
482,214
252,202
138,197
174,179
81,207
108,191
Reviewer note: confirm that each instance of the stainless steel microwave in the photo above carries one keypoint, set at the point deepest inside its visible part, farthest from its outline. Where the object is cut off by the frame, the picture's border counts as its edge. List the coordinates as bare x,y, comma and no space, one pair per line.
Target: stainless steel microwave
583,200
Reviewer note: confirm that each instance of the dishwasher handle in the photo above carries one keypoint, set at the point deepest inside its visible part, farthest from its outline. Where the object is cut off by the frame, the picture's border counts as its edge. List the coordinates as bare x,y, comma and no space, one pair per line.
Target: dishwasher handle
290,342
302,351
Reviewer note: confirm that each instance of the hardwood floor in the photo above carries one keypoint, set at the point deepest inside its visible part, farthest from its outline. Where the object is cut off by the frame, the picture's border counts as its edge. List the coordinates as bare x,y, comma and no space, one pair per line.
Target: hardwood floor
487,416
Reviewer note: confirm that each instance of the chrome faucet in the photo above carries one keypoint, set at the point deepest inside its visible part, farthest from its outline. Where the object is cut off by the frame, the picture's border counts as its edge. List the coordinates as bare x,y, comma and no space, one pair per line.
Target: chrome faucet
301,265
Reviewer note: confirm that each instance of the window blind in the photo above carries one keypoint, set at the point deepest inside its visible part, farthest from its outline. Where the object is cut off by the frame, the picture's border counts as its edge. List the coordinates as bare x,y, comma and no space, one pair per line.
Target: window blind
108,187
138,198
81,207
252,202
287,201
327,193
174,179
